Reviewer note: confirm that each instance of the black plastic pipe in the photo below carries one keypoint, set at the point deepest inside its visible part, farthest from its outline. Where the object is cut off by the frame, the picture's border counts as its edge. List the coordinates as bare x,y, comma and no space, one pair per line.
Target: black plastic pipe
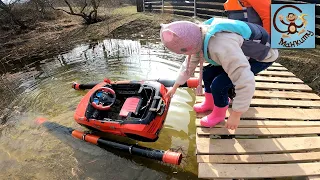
191,83
164,156
160,155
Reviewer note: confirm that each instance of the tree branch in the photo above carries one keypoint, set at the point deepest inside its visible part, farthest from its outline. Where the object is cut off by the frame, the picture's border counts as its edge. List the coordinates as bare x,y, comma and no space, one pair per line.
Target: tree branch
84,6
98,3
94,5
89,18
58,9
71,13
91,12
71,10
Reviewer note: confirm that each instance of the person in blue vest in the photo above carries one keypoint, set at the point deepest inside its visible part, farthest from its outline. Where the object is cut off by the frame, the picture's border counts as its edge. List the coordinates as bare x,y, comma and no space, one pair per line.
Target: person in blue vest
235,50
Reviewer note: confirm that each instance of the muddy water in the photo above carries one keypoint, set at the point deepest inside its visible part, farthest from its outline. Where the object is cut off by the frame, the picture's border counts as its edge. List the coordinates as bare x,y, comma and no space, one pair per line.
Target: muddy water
43,89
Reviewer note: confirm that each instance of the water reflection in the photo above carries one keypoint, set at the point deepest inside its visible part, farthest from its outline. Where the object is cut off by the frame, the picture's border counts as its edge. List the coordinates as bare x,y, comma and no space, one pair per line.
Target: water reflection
43,88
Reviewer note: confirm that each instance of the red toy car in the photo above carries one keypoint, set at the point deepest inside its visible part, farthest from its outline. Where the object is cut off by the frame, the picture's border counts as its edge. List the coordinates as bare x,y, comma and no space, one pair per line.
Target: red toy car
136,109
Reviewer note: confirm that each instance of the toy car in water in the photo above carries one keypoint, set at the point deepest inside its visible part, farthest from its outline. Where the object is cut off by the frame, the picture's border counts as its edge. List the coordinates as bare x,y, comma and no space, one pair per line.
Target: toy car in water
136,109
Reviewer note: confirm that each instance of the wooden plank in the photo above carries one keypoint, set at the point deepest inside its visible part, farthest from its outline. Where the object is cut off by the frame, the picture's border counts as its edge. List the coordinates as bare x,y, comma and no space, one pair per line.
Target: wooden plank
278,79
282,113
269,124
276,64
267,73
259,131
206,146
282,86
285,94
273,64
276,68
276,113
276,102
271,68
277,73
313,178
286,103
235,171
259,158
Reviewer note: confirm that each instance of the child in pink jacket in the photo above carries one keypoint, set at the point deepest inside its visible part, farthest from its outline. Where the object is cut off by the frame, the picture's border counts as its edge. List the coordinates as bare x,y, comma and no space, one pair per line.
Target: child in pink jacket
228,46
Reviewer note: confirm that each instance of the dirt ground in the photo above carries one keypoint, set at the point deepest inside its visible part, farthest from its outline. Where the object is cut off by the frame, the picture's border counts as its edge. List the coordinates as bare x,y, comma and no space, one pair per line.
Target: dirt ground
54,37
305,64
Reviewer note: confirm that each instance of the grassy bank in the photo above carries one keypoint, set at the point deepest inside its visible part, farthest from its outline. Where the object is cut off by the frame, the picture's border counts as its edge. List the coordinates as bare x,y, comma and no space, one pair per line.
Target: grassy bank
52,37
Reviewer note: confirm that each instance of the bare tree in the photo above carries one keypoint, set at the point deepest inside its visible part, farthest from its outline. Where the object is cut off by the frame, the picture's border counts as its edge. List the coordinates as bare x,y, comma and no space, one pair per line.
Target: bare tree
7,8
88,10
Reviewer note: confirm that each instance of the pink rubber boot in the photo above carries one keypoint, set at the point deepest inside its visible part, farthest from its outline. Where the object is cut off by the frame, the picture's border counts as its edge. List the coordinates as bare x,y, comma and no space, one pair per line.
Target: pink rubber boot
217,115
206,105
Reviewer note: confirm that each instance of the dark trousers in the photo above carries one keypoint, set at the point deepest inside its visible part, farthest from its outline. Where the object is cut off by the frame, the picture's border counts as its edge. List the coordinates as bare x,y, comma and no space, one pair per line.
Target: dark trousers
217,82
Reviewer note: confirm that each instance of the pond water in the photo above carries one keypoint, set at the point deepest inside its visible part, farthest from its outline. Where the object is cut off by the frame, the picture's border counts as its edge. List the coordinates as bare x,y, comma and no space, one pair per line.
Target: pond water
43,89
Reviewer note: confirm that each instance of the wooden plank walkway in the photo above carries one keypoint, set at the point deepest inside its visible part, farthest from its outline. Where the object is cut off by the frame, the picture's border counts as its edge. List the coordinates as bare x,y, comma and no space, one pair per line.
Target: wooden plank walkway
277,137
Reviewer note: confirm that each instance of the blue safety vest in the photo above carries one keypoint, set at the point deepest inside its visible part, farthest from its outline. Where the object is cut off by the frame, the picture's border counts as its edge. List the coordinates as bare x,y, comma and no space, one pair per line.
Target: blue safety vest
256,43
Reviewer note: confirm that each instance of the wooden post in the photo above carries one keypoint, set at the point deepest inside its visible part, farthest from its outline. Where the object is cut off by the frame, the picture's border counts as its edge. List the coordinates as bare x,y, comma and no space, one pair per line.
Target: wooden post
195,8
162,6
139,5
143,6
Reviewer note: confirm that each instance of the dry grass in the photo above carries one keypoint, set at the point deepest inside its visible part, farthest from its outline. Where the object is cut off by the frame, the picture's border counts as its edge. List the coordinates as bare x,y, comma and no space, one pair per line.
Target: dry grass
147,26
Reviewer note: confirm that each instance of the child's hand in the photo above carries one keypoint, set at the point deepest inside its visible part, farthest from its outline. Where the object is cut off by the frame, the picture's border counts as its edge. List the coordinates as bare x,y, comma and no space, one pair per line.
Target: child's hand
171,92
233,120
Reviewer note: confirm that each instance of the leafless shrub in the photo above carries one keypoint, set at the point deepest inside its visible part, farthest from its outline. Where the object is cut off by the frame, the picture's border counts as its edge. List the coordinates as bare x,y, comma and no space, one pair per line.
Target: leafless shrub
87,9
7,9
